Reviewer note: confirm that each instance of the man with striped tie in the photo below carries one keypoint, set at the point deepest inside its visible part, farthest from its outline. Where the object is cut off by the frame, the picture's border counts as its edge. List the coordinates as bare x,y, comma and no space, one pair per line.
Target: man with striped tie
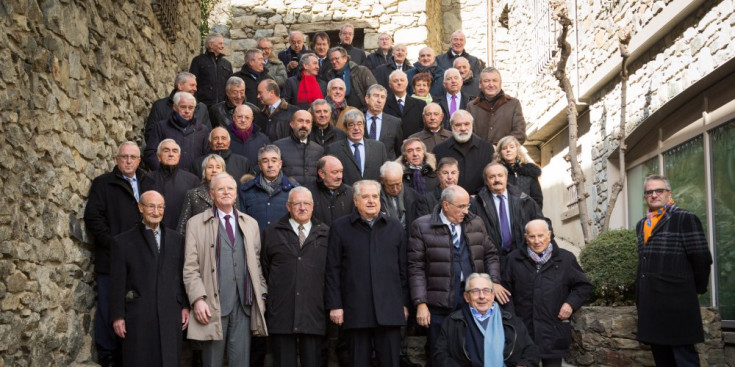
444,248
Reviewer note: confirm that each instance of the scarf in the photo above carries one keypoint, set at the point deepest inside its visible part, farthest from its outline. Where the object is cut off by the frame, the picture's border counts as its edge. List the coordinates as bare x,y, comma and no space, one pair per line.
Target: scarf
540,259
652,219
181,122
492,338
418,179
494,99
346,76
271,187
309,89
428,99
244,135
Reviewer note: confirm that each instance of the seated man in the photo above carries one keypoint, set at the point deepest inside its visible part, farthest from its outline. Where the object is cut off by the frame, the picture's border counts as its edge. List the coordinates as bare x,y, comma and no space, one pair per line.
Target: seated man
481,334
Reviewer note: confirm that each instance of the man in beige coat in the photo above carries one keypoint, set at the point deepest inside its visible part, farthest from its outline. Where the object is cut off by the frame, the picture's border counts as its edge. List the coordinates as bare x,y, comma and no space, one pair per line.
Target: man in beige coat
223,278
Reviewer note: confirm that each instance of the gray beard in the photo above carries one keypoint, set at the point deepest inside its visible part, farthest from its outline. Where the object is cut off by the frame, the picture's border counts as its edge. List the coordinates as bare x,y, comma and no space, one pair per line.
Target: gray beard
461,139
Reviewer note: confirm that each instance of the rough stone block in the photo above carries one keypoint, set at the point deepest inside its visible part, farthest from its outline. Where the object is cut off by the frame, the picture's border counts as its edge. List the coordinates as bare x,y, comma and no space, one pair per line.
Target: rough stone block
411,35
412,6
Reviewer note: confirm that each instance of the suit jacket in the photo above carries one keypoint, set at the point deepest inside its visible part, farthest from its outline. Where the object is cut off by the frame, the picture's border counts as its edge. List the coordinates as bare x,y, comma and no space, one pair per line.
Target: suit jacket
442,101
200,272
375,156
391,134
146,290
412,120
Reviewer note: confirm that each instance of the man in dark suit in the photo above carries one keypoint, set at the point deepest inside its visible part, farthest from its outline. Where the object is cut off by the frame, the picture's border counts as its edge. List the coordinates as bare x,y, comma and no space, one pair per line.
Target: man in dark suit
399,104
366,288
382,126
360,157
452,99
504,212
147,299
397,200
346,35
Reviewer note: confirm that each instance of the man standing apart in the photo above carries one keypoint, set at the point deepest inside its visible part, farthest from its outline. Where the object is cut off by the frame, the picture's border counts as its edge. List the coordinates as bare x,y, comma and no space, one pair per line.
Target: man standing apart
294,255
673,270
223,278
112,208
147,299
366,286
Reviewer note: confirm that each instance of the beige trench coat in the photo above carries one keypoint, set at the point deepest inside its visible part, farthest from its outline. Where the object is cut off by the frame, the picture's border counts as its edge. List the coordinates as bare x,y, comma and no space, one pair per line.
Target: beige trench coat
200,273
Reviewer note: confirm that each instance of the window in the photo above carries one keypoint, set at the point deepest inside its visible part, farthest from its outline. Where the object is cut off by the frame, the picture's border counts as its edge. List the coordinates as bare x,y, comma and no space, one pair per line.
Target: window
722,151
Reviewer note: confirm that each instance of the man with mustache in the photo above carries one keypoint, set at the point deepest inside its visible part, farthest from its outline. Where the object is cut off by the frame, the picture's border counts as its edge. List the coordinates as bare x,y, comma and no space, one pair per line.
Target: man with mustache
299,153
471,152
504,212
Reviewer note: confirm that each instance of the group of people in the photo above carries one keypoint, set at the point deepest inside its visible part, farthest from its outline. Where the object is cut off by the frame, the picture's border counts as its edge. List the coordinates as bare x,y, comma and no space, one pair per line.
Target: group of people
298,198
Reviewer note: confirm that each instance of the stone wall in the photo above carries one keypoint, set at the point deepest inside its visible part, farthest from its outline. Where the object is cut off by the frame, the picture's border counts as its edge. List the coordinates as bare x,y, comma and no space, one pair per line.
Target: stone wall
78,78
471,16
605,337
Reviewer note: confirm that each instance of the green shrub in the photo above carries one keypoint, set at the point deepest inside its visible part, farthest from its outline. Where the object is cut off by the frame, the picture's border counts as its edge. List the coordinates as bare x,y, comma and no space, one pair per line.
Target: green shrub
610,261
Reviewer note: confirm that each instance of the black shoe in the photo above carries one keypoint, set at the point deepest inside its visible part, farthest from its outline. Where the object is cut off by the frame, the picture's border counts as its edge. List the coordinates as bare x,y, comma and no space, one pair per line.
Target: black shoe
407,362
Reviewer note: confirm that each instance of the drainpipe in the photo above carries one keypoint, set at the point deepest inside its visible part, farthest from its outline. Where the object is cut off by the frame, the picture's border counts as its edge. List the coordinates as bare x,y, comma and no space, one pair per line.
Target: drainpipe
490,40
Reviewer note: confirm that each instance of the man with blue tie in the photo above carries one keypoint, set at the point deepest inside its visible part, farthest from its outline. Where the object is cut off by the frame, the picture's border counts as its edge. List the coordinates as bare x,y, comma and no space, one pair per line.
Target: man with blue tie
505,211
382,126
444,248
361,158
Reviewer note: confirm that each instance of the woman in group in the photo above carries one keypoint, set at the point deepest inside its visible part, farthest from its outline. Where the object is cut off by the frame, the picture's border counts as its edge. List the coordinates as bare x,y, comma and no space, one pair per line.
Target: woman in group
522,172
198,199
421,84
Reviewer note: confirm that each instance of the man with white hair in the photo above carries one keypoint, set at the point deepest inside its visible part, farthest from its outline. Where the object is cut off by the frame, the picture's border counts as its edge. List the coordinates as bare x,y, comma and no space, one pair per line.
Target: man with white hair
221,113
291,56
471,152
212,71
383,54
397,200
397,62
456,50
253,72
366,289
273,65
161,109
470,81
452,99
182,127
400,105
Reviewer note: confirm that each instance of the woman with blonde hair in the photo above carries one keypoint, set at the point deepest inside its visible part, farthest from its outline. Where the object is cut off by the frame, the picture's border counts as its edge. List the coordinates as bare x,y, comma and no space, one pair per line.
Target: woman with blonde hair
522,172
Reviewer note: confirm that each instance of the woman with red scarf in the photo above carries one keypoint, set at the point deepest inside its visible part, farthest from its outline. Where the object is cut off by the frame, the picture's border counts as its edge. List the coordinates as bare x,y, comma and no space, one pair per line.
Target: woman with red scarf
305,87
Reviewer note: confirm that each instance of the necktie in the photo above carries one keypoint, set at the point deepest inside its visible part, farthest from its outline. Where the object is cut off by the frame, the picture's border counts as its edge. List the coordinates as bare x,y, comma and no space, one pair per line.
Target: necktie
302,236
400,106
453,105
455,235
158,240
373,127
357,157
504,224
230,232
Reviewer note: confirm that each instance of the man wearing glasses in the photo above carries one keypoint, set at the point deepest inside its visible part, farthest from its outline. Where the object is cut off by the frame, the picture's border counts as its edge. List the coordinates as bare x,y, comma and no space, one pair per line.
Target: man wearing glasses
444,248
480,333
360,157
112,208
673,271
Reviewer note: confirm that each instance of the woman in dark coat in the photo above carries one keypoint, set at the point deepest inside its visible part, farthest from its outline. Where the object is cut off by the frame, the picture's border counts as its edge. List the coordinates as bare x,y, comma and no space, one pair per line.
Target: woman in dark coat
547,286
522,173
198,199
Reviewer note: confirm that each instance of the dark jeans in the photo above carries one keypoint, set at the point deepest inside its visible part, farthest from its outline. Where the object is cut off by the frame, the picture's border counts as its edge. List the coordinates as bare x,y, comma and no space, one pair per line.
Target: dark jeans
288,348
107,342
386,340
675,355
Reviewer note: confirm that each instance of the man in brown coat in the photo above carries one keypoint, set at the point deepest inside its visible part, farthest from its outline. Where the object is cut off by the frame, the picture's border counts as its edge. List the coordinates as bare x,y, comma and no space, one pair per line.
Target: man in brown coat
496,114
223,278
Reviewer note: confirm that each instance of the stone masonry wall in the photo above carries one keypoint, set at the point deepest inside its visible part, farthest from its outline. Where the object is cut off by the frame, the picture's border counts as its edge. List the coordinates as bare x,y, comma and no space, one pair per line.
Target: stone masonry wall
78,78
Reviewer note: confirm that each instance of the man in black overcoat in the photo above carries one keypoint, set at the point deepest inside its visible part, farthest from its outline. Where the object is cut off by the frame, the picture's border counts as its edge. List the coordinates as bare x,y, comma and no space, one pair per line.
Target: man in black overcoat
148,303
366,284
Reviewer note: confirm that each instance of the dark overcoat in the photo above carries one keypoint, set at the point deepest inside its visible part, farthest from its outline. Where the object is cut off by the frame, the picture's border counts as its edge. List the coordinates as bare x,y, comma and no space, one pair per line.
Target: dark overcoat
172,185
295,278
525,176
256,202
111,209
673,268
212,73
329,205
162,108
471,162
147,290
537,296
197,200
366,271
249,149
412,120
193,140
300,160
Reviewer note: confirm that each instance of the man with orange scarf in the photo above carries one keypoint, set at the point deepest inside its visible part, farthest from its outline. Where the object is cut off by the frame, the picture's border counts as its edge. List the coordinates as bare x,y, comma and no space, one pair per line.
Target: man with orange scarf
674,263
304,87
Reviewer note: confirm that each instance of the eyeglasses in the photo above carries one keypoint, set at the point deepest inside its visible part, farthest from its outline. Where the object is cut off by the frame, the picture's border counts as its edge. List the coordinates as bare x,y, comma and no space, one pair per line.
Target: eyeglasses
476,291
152,207
128,157
657,191
460,207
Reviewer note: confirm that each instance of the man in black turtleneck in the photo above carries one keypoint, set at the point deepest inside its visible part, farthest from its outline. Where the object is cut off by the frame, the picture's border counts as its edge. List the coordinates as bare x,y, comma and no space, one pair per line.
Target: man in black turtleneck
170,181
346,33
219,143
182,127
323,131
